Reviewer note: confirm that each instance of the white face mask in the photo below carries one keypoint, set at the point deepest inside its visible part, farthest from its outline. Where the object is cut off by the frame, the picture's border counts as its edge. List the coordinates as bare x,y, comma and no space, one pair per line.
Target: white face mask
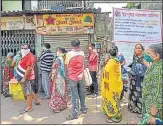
59,54
44,48
25,52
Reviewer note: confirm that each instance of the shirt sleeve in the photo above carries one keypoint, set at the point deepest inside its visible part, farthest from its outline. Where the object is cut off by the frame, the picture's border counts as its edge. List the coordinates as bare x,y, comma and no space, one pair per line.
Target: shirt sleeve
30,61
122,58
42,56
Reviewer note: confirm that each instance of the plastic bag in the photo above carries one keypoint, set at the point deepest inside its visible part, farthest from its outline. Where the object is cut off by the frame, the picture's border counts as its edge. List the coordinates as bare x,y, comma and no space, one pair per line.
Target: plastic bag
87,77
17,92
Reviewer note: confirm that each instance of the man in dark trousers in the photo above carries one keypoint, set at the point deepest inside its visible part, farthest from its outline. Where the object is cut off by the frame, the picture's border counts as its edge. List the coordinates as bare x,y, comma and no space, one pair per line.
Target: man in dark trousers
93,68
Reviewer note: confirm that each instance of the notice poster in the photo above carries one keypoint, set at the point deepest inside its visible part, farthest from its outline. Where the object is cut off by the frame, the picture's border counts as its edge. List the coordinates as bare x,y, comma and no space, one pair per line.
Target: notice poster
137,26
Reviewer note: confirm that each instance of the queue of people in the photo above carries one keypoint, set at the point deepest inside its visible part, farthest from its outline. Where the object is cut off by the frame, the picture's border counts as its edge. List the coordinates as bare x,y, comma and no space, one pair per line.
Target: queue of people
65,74
145,89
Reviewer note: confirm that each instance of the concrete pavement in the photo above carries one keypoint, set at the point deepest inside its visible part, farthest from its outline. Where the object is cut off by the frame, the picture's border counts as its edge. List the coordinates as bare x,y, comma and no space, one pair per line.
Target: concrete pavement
44,115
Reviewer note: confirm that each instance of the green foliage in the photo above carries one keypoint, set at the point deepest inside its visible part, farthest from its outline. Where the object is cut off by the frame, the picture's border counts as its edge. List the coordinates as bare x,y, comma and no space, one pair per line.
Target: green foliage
130,5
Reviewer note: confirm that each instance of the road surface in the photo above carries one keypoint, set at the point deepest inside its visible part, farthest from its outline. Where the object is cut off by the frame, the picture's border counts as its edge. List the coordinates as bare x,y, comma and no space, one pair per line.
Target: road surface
42,114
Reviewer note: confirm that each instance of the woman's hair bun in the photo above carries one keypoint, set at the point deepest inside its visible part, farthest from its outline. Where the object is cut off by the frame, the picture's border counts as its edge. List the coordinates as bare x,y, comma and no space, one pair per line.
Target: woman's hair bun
113,51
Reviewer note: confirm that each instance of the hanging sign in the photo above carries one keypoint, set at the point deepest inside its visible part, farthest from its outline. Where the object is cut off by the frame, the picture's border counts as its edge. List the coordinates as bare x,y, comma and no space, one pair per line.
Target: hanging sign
65,24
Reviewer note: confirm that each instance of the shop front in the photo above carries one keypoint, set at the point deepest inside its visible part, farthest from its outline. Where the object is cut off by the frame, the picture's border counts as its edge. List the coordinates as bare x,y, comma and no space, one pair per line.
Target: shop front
60,29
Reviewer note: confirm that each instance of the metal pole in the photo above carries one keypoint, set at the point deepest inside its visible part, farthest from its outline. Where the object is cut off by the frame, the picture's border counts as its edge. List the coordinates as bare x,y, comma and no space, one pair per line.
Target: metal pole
84,4
0,56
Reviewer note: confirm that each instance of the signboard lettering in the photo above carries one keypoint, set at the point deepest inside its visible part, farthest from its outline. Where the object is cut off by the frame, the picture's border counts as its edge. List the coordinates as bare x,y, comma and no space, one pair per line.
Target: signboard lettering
65,24
137,26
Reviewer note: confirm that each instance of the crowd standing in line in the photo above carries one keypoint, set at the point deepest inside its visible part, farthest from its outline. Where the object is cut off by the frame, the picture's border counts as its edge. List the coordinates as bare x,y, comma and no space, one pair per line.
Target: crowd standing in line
66,73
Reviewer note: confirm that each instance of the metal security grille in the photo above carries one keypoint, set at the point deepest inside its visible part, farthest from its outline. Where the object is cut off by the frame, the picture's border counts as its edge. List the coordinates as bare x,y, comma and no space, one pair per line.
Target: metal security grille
12,40
44,4
65,41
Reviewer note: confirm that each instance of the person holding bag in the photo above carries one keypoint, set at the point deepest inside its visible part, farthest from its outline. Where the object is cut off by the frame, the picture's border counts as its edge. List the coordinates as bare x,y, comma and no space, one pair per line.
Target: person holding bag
26,76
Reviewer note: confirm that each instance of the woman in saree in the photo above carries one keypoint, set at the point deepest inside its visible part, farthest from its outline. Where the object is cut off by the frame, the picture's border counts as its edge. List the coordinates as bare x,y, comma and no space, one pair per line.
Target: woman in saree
138,69
59,92
152,106
8,74
111,88
16,61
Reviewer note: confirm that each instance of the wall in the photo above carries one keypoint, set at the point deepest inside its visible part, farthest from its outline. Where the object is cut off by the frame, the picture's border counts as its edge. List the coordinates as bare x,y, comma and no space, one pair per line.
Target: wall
11,5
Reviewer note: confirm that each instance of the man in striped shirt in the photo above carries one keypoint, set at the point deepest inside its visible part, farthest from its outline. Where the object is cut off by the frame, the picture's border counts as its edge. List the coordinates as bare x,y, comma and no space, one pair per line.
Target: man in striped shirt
46,60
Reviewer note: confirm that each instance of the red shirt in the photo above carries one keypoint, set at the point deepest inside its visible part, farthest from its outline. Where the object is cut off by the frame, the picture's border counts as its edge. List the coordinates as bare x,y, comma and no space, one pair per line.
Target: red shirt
28,60
75,64
93,61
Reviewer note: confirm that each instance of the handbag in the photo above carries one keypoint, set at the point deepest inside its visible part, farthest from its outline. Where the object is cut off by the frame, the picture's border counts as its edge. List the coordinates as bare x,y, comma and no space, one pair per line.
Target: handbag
87,77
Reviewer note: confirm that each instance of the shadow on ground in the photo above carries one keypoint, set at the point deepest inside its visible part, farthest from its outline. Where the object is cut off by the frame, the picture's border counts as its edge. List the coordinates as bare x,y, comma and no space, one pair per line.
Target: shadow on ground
44,115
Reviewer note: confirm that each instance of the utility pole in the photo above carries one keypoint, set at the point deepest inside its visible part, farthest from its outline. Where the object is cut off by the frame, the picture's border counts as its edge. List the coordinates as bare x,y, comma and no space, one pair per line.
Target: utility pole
84,3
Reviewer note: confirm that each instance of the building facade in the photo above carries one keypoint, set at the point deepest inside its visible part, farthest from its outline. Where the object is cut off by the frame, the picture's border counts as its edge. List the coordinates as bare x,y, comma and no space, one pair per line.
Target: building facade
151,6
17,5
58,5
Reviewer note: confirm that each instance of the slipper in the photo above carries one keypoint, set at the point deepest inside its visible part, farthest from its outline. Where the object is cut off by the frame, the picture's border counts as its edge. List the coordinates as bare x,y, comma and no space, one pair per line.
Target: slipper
7,95
70,117
109,121
56,111
45,98
25,111
116,120
139,115
38,103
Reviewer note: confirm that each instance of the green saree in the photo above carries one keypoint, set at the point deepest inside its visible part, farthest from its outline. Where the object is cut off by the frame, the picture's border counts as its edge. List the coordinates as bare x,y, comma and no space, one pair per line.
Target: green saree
152,90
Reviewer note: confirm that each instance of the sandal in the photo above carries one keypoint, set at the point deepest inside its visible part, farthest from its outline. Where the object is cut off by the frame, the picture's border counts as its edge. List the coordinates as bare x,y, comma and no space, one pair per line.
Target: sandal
25,111
70,117
37,103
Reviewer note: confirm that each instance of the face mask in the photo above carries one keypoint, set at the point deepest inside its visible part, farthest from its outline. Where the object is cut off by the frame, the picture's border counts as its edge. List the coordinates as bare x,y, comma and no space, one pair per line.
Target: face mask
138,52
90,48
44,48
25,52
148,58
60,54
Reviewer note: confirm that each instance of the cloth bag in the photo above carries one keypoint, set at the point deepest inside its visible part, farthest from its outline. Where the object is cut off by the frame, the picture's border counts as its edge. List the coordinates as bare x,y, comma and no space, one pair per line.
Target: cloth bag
87,77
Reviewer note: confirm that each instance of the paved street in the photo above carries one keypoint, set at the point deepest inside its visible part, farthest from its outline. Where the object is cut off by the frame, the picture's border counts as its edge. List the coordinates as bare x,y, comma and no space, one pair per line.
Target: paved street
44,115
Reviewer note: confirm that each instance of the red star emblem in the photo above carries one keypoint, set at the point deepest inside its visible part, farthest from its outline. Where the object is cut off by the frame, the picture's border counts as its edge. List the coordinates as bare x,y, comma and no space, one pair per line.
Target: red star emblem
50,20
